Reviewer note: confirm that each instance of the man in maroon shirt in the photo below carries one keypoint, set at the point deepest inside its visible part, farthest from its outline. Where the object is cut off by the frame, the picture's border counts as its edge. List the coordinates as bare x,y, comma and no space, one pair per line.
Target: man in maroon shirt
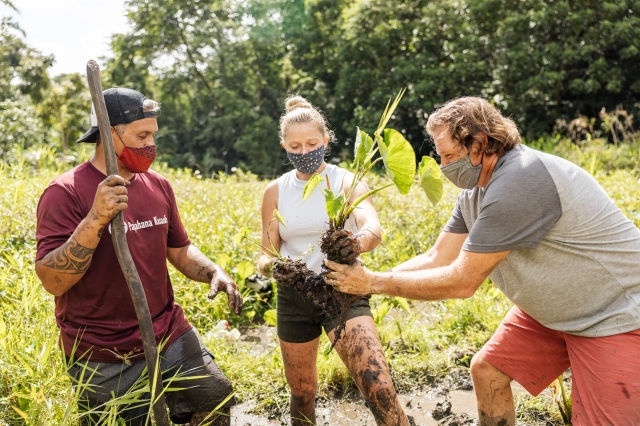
76,262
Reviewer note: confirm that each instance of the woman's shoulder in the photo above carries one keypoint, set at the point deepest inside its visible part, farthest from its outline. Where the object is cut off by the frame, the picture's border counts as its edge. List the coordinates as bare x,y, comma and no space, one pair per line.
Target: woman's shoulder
273,185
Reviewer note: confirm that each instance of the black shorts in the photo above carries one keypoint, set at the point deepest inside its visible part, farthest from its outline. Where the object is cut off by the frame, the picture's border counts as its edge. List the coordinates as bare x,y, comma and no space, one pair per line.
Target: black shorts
300,321
186,356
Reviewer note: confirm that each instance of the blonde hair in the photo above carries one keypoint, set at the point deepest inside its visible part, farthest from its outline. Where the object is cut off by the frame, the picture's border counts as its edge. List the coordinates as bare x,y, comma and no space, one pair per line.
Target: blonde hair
467,117
299,110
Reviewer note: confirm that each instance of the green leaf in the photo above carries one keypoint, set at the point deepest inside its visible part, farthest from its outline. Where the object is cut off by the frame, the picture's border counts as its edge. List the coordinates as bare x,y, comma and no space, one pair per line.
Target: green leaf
270,317
380,312
279,217
310,186
364,143
431,179
388,111
245,269
241,235
21,413
333,204
402,302
222,260
399,159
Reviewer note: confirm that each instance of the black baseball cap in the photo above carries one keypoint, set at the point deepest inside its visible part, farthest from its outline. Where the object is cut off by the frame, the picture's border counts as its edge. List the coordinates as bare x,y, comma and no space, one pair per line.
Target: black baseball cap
123,106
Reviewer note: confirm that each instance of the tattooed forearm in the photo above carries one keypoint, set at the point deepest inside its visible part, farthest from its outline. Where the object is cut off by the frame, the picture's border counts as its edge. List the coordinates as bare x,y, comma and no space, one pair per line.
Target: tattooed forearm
71,257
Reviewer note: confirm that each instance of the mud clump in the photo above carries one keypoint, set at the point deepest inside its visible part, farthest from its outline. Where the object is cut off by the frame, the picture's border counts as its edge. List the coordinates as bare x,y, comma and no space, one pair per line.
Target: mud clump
446,417
442,410
311,285
338,245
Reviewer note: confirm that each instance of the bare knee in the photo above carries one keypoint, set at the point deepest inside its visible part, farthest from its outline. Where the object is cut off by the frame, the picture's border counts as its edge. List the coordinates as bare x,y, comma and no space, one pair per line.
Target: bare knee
483,372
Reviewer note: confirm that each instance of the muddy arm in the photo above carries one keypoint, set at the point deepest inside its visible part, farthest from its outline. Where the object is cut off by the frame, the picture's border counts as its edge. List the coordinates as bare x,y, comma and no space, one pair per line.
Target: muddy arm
193,264
461,279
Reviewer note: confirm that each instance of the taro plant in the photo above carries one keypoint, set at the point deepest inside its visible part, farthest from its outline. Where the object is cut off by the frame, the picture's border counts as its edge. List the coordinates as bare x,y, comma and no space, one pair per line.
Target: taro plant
292,272
399,160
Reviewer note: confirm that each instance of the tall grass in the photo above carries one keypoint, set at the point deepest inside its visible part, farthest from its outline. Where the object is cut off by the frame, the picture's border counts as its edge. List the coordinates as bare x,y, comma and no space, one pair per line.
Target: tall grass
421,343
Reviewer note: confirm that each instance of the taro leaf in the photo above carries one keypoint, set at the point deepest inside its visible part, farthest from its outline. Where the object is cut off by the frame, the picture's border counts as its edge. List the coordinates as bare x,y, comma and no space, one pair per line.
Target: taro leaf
270,317
364,143
333,204
310,186
431,179
279,217
241,235
399,159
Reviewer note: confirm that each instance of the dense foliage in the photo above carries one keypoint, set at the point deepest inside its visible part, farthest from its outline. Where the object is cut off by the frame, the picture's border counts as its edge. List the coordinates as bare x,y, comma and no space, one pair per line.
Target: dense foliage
421,343
222,68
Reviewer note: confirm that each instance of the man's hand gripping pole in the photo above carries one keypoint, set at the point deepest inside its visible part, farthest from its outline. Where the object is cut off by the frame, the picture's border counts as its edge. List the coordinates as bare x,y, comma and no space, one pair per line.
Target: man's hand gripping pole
124,256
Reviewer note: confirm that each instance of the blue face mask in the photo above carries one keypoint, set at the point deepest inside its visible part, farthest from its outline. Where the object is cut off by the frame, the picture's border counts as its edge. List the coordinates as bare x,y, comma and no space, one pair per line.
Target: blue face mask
309,162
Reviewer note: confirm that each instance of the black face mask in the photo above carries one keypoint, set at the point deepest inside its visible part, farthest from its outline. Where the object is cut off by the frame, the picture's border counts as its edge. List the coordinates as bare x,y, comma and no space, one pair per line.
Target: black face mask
309,162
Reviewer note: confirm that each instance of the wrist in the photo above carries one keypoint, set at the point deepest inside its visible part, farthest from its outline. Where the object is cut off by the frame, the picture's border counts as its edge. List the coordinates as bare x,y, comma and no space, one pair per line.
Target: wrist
373,282
95,219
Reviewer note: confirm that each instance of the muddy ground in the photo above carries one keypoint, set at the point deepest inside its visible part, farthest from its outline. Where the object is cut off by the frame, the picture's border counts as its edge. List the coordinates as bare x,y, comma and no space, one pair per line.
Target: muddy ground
448,401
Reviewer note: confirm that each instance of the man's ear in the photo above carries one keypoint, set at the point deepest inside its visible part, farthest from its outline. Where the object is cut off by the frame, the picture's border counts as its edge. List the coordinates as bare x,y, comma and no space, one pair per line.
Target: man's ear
326,140
485,140
283,145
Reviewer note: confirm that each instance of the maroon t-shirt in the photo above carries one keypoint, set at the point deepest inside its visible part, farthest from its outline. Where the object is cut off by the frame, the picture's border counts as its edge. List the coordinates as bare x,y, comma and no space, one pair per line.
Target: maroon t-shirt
98,311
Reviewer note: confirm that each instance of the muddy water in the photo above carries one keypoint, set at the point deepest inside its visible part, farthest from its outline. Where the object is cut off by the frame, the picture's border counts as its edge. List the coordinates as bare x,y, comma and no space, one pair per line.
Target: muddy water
355,413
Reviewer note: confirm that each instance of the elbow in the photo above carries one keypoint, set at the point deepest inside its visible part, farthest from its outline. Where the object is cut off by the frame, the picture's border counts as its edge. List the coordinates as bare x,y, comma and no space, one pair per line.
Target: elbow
53,291
467,290
48,283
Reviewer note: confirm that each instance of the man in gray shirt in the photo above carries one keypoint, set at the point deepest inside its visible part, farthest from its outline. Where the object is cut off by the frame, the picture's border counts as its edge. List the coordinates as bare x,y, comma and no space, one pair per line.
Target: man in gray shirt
555,244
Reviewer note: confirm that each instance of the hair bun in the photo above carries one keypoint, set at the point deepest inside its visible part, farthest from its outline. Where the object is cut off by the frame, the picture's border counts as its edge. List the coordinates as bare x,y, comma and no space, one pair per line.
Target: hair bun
295,102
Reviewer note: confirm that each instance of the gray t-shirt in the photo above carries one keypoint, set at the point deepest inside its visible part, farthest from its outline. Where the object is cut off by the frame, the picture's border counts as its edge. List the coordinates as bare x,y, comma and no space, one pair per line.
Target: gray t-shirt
574,263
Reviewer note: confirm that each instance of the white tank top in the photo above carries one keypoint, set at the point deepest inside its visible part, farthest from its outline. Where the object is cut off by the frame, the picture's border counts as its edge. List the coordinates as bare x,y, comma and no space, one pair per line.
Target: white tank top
307,220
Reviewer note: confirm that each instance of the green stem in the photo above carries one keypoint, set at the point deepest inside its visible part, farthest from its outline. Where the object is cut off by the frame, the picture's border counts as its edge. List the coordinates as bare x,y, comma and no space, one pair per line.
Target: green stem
273,254
364,197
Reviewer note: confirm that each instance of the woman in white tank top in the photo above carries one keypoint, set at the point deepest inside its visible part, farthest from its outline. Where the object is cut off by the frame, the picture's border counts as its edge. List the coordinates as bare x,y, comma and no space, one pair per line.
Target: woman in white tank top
304,135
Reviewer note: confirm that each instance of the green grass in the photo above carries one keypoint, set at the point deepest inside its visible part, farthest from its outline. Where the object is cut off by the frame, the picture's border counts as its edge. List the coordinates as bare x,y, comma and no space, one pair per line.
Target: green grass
421,345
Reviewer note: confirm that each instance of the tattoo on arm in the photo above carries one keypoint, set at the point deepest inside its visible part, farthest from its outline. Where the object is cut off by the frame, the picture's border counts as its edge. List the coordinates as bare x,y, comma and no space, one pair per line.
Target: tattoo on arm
72,257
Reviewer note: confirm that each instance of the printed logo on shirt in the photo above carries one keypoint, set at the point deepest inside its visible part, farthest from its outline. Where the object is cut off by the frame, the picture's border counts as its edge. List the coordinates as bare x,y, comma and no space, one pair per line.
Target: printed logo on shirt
126,228
130,226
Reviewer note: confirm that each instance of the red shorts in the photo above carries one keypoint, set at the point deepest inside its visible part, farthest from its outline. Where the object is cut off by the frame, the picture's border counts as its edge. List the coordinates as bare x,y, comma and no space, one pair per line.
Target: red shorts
605,370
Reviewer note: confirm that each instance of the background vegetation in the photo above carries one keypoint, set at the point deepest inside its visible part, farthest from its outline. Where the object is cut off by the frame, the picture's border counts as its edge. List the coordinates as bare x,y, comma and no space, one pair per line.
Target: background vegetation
566,71
222,68
423,343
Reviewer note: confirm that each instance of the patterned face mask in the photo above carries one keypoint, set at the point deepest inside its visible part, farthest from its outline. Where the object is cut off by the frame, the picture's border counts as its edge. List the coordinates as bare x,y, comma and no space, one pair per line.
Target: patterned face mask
309,162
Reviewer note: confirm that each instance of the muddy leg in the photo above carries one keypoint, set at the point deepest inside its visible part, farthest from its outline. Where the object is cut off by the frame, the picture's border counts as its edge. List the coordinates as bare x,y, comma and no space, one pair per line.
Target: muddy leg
361,351
302,377
215,420
493,394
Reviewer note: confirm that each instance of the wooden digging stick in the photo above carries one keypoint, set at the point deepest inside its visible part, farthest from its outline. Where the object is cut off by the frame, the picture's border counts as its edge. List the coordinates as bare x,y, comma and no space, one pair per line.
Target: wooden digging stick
124,256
